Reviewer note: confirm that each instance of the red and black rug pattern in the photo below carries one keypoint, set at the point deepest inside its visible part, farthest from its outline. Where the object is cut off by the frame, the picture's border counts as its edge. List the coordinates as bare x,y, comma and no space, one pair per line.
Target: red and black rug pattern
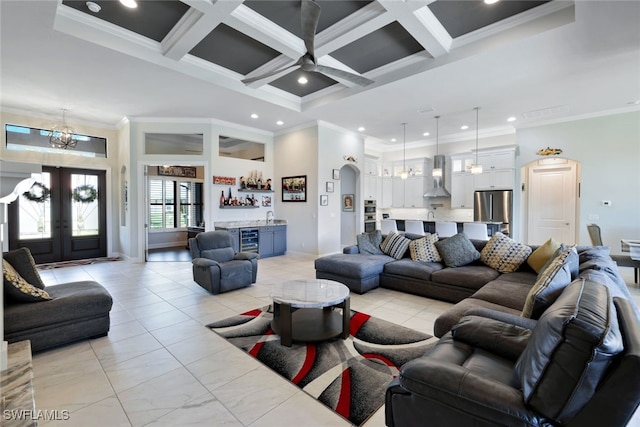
349,376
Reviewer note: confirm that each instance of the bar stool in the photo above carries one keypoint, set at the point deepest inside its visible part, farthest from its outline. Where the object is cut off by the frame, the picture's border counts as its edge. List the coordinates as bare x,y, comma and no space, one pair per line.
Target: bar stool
388,226
475,230
446,229
414,227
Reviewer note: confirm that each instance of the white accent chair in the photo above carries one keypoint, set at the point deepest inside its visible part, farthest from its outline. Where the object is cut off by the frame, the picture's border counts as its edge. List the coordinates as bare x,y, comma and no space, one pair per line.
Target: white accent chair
388,225
414,227
446,229
475,230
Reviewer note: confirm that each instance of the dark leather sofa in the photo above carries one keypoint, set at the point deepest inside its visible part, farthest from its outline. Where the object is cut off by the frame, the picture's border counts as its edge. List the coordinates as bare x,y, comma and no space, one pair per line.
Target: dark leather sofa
578,365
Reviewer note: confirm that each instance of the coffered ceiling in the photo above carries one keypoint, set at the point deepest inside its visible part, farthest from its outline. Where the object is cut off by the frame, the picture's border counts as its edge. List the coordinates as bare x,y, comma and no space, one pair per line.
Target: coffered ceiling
187,59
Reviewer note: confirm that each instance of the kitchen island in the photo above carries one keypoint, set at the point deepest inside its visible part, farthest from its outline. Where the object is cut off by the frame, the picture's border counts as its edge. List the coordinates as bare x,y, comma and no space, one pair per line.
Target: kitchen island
430,226
267,238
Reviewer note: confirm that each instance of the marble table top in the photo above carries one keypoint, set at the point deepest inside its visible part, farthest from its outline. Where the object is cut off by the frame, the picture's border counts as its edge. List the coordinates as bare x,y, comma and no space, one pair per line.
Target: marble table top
315,293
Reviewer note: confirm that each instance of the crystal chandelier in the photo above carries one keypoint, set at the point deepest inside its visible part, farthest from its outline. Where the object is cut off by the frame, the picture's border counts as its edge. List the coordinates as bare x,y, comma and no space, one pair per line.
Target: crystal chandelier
62,136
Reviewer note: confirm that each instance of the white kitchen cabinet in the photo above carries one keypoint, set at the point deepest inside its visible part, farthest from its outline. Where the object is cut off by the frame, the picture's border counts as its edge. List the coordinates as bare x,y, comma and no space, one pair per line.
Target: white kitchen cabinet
462,188
409,192
461,162
371,187
371,167
497,160
495,180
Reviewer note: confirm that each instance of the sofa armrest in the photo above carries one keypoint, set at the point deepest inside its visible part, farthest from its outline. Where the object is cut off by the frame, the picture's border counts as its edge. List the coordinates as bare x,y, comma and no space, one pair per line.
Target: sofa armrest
246,256
523,322
455,387
353,249
204,262
497,337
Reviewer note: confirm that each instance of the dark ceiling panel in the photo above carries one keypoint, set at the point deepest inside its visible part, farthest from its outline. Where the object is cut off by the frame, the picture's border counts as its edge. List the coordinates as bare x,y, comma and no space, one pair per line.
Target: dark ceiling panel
386,45
462,17
286,13
289,83
152,18
231,49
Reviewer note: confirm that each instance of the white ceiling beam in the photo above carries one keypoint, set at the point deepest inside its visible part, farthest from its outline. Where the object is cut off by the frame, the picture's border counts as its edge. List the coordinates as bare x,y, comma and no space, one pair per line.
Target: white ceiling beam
422,24
202,18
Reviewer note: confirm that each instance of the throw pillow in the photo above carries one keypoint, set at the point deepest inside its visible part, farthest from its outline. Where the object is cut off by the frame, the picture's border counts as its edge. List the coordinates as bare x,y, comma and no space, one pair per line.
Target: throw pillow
424,249
22,261
457,250
550,283
369,243
569,351
395,245
18,289
504,254
540,256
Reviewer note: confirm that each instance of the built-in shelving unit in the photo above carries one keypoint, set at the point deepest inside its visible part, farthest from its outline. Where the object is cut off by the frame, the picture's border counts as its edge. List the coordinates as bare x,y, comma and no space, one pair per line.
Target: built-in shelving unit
249,190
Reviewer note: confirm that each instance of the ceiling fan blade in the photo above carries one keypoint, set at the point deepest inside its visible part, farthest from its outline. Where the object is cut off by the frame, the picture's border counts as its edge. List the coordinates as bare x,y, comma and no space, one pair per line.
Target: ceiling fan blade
310,17
345,75
269,74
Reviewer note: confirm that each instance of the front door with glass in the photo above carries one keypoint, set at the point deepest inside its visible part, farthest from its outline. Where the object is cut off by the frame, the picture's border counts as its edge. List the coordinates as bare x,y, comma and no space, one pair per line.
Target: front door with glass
62,217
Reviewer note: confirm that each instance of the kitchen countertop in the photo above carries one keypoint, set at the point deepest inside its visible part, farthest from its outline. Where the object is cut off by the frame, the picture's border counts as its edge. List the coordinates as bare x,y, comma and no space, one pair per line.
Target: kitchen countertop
249,223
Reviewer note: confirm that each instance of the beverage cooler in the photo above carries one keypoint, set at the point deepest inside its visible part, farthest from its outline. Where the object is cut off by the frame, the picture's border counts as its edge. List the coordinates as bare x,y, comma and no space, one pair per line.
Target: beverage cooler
249,239
370,215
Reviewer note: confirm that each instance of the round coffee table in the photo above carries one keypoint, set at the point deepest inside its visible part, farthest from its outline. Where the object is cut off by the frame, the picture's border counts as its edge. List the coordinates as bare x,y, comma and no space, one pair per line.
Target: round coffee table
303,310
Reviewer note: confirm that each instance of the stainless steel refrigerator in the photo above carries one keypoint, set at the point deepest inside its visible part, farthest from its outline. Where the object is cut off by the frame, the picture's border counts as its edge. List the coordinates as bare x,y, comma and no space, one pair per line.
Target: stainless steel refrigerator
494,206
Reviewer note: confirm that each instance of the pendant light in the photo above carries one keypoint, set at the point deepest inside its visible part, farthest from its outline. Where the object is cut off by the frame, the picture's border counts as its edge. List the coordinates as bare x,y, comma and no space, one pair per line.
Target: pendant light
476,168
404,174
62,136
437,171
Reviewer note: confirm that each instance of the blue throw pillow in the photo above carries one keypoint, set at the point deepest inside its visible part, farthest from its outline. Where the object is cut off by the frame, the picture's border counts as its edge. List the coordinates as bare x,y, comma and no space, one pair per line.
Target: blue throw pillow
369,243
457,250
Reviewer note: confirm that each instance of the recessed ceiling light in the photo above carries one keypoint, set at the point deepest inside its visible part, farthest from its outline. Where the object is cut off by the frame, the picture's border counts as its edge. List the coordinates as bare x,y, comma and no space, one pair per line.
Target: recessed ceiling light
93,7
393,140
426,134
464,127
131,4
303,80
491,1
279,122
254,116
511,119
361,129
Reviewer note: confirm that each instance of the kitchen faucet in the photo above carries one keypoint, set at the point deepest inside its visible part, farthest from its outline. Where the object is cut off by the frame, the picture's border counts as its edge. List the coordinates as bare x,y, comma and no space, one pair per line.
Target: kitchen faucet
431,213
269,217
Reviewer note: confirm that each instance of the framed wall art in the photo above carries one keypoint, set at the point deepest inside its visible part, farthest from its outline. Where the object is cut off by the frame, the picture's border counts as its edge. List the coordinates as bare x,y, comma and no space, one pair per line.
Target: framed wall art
336,174
324,200
294,188
347,202
182,171
329,186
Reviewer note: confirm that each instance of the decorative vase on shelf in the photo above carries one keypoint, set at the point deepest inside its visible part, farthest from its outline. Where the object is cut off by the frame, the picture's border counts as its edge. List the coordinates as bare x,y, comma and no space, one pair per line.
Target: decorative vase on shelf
229,196
222,199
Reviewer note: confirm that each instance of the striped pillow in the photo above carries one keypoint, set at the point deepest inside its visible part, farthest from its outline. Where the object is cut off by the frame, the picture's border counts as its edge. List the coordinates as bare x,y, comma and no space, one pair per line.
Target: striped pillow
424,249
395,245
504,254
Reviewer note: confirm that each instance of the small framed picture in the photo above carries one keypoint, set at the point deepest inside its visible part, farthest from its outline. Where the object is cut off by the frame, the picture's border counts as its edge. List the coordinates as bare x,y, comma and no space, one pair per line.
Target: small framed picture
324,200
336,174
347,202
329,187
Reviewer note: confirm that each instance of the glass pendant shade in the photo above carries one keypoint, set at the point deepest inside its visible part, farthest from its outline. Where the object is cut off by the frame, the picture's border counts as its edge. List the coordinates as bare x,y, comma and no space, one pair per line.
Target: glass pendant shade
404,174
436,172
476,168
62,136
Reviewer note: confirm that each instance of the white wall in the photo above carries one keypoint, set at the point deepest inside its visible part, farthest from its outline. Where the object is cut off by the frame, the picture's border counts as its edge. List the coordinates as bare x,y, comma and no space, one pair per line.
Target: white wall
608,149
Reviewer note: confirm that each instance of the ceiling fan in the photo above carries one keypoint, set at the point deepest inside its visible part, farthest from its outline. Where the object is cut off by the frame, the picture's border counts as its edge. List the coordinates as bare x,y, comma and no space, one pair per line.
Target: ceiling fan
308,61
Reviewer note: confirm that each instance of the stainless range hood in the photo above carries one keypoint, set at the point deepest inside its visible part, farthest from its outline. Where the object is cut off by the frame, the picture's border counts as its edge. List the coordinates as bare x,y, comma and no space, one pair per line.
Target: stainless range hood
438,189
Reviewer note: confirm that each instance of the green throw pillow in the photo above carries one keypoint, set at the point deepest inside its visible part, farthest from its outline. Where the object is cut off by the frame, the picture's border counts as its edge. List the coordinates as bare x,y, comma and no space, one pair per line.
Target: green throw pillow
18,289
457,250
543,254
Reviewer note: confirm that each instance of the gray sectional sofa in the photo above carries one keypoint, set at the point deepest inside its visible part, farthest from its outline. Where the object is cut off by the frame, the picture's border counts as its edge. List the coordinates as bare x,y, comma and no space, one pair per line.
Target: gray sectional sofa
475,286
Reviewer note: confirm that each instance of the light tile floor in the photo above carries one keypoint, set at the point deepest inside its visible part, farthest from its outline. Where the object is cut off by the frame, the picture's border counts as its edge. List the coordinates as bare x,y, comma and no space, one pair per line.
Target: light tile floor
159,365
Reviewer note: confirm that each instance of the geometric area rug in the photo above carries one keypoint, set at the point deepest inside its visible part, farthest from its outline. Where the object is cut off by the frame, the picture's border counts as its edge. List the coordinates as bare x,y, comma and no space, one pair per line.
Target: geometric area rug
349,376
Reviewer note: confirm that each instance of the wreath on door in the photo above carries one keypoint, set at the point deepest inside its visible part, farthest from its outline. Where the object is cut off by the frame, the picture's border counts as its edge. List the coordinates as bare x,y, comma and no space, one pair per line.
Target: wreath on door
38,193
85,193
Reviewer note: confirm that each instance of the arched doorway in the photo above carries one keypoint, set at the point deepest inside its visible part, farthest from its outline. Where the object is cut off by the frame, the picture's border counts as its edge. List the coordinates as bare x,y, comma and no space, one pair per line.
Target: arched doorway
551,200
350,206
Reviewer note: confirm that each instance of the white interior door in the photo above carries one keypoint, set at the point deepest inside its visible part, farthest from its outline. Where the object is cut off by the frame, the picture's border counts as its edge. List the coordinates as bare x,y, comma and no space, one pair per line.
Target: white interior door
552,201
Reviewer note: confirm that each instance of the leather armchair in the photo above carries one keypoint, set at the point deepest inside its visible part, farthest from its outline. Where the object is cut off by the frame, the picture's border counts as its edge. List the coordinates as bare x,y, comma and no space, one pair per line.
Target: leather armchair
217,267
489,372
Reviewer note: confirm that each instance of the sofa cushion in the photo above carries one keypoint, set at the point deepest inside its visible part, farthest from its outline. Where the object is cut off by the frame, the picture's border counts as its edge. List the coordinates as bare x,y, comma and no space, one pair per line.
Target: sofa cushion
356,266
504,254
505,292
467,276
424,249
457,250
395,245
569,351
16,288
550,283
22,261
543,254
416,269
497,337
369,243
